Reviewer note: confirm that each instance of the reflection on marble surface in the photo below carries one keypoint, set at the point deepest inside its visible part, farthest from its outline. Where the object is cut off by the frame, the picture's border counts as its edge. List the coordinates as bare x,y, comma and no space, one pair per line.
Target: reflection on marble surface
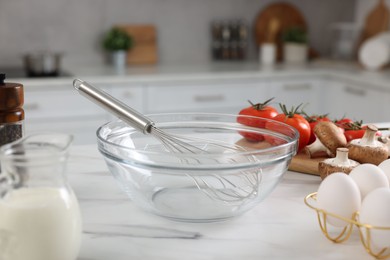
104,230
281,227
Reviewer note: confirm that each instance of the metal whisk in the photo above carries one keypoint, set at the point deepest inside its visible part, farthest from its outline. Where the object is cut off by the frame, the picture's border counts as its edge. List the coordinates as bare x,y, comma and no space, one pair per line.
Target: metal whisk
228,191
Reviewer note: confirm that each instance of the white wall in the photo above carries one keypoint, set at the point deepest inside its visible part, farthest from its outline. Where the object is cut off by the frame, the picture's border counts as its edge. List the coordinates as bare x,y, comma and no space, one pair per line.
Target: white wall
76,26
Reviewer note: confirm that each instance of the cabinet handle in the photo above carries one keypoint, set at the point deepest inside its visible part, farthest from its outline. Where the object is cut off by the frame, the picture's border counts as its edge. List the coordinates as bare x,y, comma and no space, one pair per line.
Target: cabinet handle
31,106
209,98
356,92
296,87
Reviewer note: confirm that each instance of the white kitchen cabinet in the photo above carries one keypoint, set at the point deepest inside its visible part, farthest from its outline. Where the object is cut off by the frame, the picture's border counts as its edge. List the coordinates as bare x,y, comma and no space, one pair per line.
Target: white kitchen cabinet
358,102
56,102
56,106
83,130
205,96
59,108
131,95
293,92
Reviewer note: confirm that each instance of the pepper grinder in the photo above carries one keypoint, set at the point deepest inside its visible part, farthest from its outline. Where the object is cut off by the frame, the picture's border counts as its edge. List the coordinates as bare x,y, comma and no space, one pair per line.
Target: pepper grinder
11,111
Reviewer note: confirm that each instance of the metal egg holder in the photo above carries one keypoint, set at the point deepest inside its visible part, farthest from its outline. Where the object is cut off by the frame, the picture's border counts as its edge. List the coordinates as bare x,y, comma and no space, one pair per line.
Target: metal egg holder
364,229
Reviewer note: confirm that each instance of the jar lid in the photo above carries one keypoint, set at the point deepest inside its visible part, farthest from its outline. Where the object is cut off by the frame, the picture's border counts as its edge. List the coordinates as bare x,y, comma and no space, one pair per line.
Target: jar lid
11,95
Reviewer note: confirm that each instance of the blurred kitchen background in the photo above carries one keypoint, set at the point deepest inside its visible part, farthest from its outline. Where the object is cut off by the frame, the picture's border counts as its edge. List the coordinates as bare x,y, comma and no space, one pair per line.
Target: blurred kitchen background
195,56
75,27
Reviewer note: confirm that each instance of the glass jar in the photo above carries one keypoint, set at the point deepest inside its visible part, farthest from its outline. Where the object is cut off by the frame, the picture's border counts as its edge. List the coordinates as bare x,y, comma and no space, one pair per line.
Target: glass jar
344,40
11,111
39,213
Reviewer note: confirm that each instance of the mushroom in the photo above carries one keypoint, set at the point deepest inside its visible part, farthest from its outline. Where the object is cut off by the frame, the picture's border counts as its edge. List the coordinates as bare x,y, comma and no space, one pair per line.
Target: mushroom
368,149
340,163
329,137
386,141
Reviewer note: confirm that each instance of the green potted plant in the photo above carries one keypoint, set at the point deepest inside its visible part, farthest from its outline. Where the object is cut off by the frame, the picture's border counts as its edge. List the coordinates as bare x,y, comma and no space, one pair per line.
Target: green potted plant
118,42
295,47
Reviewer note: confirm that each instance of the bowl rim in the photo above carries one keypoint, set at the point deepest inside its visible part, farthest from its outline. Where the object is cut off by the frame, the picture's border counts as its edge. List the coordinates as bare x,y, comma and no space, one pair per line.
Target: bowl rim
293,140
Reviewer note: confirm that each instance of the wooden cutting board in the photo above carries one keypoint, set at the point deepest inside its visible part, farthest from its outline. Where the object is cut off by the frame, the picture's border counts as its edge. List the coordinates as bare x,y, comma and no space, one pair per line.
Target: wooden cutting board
145,49
285,15
377,21
302,163
299,163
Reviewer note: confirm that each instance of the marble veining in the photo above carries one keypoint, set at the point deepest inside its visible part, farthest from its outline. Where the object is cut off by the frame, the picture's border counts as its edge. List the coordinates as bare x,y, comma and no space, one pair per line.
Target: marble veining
280,227
104,230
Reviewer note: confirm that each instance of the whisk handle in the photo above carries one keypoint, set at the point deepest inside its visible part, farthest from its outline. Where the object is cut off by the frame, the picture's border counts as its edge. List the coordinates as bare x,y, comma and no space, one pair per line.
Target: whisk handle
114,106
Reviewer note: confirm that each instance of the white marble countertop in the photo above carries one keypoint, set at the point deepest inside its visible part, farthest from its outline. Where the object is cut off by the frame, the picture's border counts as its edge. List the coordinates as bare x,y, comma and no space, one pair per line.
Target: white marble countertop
281,227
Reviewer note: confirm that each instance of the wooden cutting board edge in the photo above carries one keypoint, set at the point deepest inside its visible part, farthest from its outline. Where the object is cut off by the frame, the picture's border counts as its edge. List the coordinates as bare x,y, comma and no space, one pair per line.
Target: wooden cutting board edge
376,21
300,163
145,49
287,14
303,164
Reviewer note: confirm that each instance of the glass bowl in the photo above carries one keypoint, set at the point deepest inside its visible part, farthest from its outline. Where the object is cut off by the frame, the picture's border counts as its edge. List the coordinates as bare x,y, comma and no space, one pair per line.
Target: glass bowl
233,168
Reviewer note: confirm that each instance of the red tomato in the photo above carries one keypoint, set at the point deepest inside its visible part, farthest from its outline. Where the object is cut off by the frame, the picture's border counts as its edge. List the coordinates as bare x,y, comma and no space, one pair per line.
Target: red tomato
343,122
260,110
313,121
271,139
294,119
351,134
354,134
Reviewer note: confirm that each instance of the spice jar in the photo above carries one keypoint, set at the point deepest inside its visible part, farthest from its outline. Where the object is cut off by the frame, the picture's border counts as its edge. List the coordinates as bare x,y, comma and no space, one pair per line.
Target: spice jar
11,111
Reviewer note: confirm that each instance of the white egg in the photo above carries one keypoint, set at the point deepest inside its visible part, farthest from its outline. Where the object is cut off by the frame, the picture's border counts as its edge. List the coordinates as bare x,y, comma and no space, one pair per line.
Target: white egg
375,211
339,194
385,166
368,177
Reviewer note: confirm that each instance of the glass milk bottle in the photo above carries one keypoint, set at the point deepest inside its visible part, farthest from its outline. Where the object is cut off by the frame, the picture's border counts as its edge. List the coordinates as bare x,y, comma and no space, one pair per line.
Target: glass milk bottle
39,213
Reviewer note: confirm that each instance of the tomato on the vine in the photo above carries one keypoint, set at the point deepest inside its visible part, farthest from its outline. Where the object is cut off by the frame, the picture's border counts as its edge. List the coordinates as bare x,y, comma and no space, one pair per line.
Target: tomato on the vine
356,130
343,122
354,134
294,119
257,111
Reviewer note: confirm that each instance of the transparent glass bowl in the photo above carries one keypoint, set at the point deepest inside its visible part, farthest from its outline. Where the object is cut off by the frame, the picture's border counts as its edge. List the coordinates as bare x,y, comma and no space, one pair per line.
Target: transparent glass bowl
237,167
